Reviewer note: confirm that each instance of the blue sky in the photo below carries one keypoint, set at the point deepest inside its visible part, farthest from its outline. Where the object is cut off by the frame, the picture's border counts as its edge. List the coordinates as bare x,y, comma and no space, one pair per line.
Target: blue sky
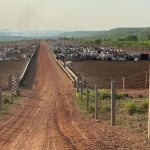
73,14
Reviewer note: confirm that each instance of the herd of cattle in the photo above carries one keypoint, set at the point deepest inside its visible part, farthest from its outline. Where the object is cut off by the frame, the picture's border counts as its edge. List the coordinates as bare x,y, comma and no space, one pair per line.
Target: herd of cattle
16,50
75,53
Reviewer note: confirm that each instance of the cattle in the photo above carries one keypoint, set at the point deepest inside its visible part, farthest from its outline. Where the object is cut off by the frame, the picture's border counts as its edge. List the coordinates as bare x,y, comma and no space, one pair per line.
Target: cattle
144,56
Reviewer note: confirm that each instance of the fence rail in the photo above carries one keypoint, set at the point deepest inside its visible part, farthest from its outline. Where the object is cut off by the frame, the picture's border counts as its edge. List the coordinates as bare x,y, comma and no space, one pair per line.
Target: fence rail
71,75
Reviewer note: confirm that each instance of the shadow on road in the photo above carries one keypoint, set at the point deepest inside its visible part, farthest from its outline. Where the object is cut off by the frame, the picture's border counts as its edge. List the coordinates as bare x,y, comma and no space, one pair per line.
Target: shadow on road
28,80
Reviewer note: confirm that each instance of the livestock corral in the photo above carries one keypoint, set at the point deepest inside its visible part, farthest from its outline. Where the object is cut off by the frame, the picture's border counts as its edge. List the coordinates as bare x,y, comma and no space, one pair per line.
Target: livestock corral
131,86
98,67
76,52
13,58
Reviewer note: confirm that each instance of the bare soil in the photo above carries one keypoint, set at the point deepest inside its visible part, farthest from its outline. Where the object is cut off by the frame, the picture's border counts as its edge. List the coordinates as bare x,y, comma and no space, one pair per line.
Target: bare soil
7,68
46,118
101,73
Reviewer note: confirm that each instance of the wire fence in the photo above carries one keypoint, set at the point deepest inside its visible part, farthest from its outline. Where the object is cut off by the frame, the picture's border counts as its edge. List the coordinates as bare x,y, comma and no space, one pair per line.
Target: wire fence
127,106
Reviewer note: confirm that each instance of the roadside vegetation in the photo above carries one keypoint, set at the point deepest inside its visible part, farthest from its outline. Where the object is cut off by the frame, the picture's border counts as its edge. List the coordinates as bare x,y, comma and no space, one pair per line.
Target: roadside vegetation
131,112
6,102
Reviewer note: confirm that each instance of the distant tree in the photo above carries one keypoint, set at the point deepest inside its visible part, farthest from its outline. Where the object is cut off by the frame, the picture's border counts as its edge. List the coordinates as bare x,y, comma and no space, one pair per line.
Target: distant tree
132,38
148,37
121,39
98,42
108,40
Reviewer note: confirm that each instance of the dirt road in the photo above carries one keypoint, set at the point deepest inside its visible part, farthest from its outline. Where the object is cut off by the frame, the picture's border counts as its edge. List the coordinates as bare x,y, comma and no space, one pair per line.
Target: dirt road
46,119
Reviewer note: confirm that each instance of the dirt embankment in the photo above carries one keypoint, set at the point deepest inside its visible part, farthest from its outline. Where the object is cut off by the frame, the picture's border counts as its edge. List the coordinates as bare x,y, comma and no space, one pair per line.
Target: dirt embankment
46,118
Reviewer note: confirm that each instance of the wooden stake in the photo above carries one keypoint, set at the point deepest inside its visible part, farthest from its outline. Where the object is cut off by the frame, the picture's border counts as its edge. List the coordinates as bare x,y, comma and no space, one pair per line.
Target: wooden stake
123,84
96,103
9,82
87,98
81,91
146,79
113,103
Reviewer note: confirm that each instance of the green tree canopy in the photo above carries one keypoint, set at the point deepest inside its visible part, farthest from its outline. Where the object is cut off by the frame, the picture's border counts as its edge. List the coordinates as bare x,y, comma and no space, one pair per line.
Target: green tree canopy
132,38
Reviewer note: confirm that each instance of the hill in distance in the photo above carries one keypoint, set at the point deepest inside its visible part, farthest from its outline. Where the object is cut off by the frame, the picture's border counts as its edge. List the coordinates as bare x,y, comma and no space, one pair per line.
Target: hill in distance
9,35
117,33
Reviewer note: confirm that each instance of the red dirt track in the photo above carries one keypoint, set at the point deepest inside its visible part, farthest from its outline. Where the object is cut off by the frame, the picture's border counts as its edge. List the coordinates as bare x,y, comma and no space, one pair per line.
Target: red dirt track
46,119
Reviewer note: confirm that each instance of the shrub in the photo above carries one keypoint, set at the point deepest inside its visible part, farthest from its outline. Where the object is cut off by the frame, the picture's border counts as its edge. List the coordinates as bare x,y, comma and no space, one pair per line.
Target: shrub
106,108
91,109
91,94
145,105
130,107
104,94
6,100
120,96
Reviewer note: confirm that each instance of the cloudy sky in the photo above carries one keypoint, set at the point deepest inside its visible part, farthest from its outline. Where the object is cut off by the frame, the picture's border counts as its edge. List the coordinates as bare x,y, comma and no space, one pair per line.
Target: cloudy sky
73,14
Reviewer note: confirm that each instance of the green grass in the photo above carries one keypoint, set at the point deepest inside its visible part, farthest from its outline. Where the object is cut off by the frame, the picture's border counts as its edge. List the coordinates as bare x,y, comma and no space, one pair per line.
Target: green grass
130,112
136,106
6,103
104,94
130,106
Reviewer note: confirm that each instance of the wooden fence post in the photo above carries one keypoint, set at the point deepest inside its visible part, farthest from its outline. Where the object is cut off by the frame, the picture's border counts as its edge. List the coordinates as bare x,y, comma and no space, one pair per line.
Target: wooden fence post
78,82
146,79
81,91
0,99
113,103
83,82
9,81
77,85
96,103
11,96
149,108
17,85
11,90
87,98
74,83
123,84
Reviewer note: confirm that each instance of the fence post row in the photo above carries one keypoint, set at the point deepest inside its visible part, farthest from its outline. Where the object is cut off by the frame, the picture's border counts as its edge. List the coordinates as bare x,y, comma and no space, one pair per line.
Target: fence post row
96,103
113,103
0,99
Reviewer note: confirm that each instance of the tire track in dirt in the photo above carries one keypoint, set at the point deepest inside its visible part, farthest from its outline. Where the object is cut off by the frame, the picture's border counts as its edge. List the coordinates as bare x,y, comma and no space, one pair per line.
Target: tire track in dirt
9,132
